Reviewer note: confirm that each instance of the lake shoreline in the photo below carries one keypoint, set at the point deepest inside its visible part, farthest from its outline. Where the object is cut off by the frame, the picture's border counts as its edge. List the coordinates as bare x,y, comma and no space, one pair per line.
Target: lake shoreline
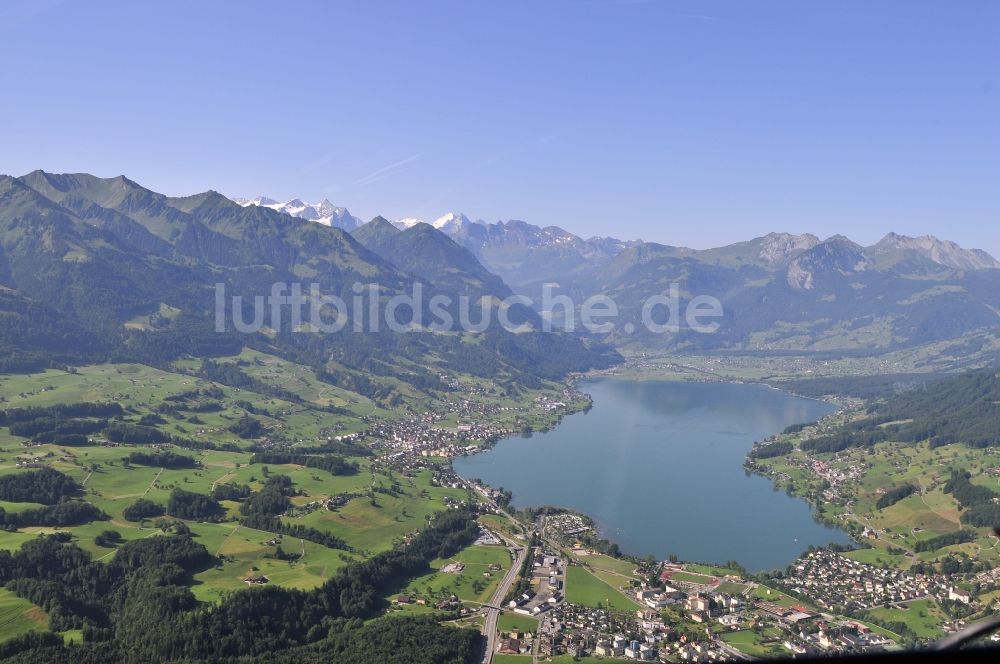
626,534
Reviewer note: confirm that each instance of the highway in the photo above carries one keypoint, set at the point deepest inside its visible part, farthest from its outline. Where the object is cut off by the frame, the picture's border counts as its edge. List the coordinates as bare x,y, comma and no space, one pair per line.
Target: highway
493,607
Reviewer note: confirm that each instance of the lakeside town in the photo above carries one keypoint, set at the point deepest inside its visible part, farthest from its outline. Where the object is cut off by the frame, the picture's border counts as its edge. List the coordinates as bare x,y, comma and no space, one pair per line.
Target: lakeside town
818,608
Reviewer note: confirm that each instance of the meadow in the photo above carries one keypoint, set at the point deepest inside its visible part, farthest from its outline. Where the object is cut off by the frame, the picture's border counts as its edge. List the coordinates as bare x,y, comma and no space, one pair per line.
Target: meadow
924,617
18,616
469,585
584,588
921,516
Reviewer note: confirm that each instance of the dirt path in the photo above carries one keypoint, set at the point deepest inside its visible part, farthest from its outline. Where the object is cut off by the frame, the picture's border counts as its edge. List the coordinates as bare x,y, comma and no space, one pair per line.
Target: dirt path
235,530
153,483
221,479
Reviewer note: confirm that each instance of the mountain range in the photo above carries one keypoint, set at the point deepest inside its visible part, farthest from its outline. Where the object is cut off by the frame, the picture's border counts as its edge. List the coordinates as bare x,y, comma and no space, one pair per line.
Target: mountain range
780,292
98,269
324,212
512,249
518,252
102,268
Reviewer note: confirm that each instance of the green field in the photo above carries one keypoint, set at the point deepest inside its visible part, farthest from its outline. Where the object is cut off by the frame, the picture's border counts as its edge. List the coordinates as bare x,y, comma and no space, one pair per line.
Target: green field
584,588
920,516
509,621
877,556
374,528
370,522
244,550
924,617
469,585
751,643
18,616
511,659
609,564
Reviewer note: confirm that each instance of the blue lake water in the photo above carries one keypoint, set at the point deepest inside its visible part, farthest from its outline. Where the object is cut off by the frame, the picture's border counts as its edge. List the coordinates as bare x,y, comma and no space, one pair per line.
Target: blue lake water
658,466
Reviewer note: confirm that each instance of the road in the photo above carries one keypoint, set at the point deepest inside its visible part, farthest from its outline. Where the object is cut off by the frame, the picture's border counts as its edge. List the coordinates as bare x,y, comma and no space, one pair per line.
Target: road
492,609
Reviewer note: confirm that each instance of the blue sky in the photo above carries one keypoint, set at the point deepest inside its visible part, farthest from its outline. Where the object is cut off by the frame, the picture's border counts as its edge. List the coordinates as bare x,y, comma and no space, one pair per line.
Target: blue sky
691,123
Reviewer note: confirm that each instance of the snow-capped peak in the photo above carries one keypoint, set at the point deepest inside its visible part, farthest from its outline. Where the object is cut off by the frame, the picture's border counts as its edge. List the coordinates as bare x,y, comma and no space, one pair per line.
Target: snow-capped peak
324,212
406,222
451,222
263,201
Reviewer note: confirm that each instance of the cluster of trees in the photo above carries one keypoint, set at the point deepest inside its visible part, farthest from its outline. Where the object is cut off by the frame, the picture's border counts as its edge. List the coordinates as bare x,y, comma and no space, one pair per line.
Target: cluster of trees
205,400
231,492
771,450
893,496
980,510
44,429
108,538
262,509
229,373
861,433
273,524
66,513
60,412
136,434
143,509
76,591
165,459
247,427
138,608
193,506
341,447
62,424
272,499
45,485
395,640
334,465
948,539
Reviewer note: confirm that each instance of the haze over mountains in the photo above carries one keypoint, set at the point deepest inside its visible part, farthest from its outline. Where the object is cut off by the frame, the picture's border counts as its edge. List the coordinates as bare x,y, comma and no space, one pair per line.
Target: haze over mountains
507,247
780,292
94,268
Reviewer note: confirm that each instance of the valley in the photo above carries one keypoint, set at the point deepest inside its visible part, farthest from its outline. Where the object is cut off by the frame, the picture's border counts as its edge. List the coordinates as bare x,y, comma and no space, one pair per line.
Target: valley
350,476
499,333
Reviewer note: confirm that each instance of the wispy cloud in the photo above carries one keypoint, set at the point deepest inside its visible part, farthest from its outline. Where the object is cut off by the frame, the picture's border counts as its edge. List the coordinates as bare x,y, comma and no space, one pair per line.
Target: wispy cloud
383,172
320,162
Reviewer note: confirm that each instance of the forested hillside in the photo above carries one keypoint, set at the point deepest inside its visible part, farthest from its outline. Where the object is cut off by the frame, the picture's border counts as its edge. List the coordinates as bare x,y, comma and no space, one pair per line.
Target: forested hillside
139,608
98,269
962,409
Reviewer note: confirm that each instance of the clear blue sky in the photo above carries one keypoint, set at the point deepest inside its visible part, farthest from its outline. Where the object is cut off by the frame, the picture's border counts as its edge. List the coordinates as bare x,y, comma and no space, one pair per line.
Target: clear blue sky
693,123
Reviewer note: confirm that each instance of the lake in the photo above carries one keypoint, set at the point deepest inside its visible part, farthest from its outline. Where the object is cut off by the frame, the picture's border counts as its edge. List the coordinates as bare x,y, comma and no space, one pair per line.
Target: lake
658,466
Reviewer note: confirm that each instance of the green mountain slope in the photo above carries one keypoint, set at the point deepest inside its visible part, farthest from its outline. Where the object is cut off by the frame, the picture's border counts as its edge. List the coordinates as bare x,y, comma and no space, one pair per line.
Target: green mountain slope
426,252
97,253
